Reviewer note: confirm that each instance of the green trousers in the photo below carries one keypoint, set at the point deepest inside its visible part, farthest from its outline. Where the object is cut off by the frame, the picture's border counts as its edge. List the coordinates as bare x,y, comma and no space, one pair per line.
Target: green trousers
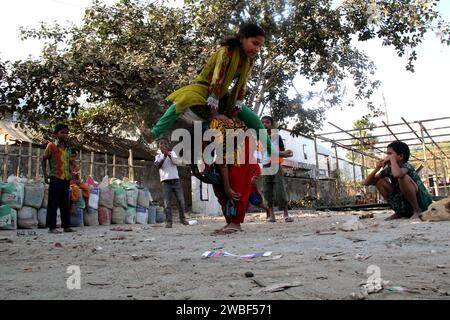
250,119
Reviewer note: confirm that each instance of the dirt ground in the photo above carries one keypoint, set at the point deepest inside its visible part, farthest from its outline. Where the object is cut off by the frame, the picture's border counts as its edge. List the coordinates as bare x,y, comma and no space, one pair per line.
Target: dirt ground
311,253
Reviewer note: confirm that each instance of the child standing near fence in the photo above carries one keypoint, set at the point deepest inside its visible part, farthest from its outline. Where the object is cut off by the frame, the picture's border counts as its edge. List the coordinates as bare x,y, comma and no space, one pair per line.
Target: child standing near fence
58,156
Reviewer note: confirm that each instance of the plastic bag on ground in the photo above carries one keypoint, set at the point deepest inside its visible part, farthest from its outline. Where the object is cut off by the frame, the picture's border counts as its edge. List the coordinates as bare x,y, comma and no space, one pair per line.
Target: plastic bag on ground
160,215
80,202
144,198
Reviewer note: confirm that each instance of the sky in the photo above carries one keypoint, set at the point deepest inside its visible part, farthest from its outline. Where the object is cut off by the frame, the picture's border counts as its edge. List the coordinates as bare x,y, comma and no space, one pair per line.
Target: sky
423,94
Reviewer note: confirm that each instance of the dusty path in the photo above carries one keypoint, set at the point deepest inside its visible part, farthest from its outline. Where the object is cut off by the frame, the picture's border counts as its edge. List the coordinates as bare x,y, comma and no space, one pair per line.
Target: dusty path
152,262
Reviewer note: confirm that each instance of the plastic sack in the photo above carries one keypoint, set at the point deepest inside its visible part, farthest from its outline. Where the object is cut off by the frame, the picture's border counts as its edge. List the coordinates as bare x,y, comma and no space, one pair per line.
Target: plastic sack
120,197
45,199
76,217
42,217
132,197
91,182
33,195
118,215
8,218
143,199
131,215
106,198
90,217
94,197
12,194
152,215
80,202
104,216
160,215
27,218
141,215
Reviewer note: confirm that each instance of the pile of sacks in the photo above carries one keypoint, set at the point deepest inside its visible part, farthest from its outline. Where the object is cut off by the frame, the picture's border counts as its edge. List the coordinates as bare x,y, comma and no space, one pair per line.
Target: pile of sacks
24,204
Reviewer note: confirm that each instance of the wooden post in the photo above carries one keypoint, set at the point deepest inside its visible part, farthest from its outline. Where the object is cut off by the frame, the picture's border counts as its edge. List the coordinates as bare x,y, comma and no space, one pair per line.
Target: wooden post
19,160
38,162
30,158
106,164
317,172
114,166
130,166
91,165
5,162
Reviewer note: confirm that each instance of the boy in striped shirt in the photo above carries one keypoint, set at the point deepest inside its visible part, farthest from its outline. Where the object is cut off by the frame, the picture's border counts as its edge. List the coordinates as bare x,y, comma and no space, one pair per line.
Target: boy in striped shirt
58,156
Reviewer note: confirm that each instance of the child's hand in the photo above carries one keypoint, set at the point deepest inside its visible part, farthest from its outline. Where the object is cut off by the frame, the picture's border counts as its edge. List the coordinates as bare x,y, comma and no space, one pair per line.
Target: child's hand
46,179
381,164
255,180
232,195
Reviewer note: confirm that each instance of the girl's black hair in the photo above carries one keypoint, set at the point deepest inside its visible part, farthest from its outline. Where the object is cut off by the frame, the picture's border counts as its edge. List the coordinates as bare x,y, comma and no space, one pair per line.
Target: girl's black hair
248,30
268,117
400,148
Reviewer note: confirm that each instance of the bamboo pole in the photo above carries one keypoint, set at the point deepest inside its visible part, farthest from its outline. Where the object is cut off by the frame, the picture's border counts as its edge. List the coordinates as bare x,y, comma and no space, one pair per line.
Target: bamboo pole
91,165
19,160
106,164
5,162
30,156
114,166
130,166
38,162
